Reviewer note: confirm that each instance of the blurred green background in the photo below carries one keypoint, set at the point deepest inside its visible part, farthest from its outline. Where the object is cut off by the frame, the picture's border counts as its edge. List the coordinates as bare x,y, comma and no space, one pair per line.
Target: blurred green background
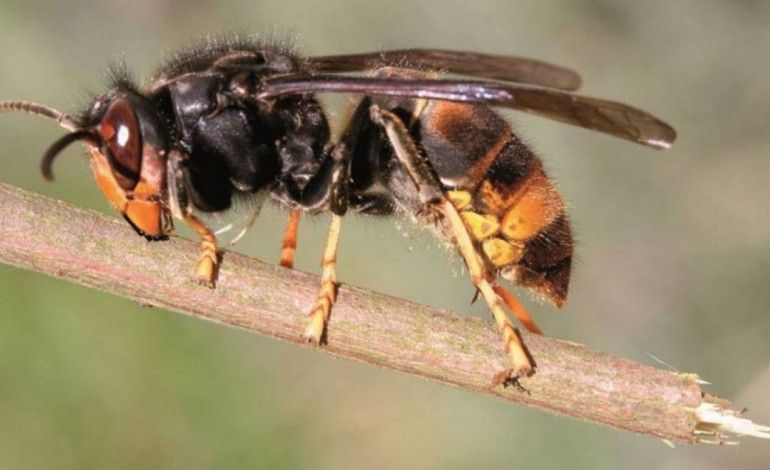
673,258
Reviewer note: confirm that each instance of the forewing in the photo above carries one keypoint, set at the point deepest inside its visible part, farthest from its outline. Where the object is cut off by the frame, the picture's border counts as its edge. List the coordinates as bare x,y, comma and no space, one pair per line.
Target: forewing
600,115
496,67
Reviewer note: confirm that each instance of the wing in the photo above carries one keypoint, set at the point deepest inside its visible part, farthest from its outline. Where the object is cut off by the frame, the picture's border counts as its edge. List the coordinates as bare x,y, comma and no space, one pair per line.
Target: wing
496,67
600,115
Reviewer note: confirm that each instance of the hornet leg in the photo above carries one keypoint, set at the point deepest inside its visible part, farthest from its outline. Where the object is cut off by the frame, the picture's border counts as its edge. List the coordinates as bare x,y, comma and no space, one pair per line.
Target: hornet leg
208,261
331,188
518,310
315,331
337,200
431,194
289,246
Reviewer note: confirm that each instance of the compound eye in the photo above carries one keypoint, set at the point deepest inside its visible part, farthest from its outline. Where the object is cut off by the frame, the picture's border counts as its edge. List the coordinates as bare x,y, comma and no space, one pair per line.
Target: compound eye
120,130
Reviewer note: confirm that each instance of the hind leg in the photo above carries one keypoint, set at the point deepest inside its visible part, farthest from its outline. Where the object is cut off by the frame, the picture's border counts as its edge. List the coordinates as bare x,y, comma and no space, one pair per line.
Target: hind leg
521,365
518,310
434,199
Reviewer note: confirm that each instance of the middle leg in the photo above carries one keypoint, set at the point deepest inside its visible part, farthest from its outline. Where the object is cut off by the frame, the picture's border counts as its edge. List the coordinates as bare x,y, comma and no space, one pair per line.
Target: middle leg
315,330
335,196
289,245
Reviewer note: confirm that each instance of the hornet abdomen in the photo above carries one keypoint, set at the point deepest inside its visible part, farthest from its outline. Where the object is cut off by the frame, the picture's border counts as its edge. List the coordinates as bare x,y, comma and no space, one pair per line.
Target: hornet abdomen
510,206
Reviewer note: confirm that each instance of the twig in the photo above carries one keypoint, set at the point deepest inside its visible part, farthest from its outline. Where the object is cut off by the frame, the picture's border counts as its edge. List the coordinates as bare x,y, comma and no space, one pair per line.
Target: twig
52,237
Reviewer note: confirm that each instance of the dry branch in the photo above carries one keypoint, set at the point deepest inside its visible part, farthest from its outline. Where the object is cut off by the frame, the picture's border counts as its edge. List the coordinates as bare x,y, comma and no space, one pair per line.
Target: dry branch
85,247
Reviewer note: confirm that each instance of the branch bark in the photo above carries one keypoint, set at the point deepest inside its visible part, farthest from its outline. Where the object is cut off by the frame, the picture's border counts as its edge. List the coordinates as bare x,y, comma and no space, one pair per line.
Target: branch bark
55,238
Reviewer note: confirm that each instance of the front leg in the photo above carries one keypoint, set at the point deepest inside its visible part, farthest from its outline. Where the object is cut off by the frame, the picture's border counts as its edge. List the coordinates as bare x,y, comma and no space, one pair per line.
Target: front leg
208,262
207,268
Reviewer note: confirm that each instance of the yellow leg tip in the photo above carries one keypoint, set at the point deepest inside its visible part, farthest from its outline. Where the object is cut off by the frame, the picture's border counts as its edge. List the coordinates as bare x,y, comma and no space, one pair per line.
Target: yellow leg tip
511,377
314,331
205,272
521,366
287,262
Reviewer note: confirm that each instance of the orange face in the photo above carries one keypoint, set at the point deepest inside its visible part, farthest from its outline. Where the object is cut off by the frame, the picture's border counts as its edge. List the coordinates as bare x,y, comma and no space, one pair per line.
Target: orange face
130,170
142,205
